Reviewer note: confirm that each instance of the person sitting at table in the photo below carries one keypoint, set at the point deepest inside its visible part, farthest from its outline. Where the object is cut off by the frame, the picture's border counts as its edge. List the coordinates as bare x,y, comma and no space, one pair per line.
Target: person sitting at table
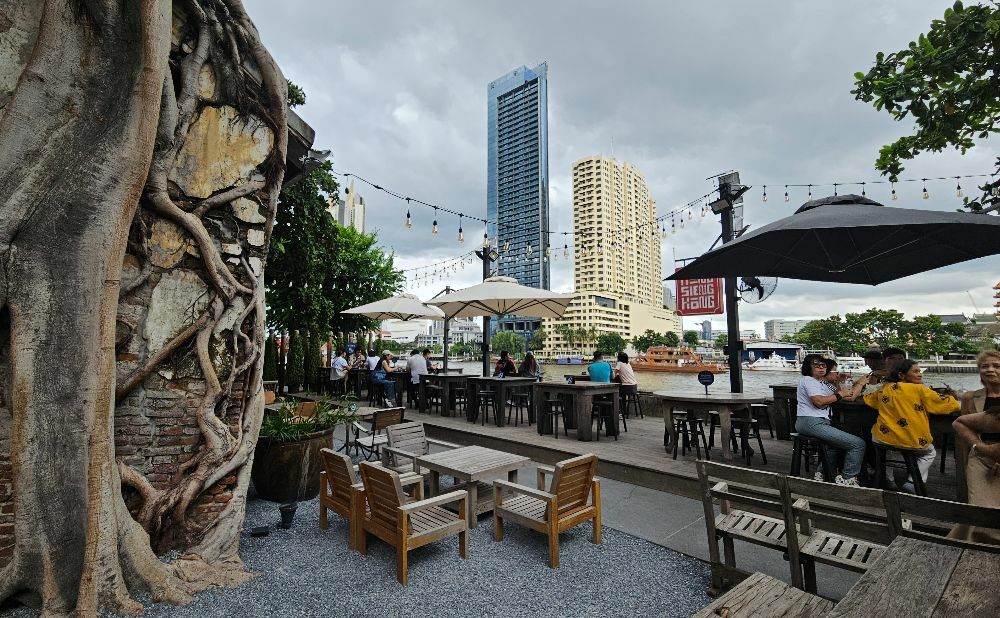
529,367
903,405
814,399
431,367
976,435
338,372
833,378
504,366
358,359
373,360
599,369
626,377
977,401
380,375
417,366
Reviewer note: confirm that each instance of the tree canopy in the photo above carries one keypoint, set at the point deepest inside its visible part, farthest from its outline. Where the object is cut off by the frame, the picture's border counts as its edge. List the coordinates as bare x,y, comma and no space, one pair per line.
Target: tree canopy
691,338
921,337
651,338
610,343
316,268
507,341
945,82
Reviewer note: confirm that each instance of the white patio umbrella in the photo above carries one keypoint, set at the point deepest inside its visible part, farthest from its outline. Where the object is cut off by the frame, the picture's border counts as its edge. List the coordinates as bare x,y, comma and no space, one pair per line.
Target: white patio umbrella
401,307
501,296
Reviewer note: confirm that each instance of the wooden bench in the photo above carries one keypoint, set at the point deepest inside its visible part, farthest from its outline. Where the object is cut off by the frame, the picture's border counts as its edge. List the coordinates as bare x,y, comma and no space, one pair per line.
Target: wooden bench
403,525
931,518
573,497
759,491
845,527
406,442
762,596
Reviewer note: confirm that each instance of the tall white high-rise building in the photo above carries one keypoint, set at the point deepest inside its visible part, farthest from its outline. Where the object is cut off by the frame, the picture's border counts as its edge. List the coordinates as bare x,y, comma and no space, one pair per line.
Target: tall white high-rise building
774,330
617,271
350,211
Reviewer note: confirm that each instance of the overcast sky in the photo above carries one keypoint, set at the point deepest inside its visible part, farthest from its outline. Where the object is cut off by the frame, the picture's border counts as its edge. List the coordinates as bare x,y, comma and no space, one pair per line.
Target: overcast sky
397,90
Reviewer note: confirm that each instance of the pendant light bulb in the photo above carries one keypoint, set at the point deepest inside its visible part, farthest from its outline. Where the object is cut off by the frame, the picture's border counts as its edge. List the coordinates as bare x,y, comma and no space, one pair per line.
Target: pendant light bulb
786,193
434,230
763,198
926,195
958,188
409,221
565,251
461,236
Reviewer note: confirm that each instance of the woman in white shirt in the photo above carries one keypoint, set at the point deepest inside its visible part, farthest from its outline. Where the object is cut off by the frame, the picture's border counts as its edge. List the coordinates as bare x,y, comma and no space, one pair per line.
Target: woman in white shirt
814,399
626,377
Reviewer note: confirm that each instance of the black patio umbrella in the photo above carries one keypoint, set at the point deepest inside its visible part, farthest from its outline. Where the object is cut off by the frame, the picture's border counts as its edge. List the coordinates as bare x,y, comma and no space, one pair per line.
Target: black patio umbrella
851,239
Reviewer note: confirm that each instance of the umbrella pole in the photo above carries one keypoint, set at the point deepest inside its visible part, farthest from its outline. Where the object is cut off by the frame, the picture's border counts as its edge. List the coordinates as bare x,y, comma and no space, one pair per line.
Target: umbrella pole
444,344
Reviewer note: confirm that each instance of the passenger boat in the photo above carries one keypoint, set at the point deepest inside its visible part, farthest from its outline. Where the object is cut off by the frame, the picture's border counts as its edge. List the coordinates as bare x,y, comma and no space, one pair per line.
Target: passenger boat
676,360
775,362
569,359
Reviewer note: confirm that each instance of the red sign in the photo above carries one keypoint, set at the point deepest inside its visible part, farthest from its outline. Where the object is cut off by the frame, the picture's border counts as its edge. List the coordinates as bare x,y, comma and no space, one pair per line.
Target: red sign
699,297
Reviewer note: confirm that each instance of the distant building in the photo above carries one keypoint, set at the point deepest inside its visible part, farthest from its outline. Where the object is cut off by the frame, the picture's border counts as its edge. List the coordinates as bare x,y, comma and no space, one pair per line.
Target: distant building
350,211
403,331
748,334
953,318
668,298
460,330
617,272
774,330
517,180
706,330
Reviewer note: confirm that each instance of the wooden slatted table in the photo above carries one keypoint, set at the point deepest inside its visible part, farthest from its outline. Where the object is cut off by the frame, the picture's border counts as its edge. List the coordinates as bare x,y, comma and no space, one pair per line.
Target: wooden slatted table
499,386
583,394
473,465
447,382
762,595
723,403
915,578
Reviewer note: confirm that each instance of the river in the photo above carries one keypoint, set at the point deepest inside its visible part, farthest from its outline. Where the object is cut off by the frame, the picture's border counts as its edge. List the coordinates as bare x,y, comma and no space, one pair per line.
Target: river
754,382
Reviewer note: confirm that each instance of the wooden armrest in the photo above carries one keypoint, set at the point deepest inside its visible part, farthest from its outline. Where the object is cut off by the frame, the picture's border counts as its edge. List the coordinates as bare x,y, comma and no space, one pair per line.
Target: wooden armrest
524,489
801,503
399,453
423,505
359,427
542,471
442,443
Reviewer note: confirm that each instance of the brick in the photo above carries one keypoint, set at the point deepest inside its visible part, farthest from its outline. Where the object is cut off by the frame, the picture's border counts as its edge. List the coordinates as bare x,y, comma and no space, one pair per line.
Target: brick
173,430
190,440
162,459
124,450
168,441
170,412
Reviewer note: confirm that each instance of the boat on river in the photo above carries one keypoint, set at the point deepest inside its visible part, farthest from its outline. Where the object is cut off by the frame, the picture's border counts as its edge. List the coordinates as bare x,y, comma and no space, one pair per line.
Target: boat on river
569,359
675,360
774,362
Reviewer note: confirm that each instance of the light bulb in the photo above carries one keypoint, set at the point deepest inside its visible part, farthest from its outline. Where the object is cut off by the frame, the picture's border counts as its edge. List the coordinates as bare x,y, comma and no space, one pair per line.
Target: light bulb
786,194
862,189
958,190
506,246
689,215
926,195
434,230
763,198
486,240
528,249
409,222
565,251
894,196
548,251
461,236
703,211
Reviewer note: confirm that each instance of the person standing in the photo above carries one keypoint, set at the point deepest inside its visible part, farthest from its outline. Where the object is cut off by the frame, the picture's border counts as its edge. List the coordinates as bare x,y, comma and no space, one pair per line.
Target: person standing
976,402
813,398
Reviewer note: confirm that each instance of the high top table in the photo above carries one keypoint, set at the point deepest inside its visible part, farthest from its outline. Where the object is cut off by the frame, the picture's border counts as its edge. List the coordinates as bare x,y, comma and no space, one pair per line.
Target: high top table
583,394
499,386
723,403
447,382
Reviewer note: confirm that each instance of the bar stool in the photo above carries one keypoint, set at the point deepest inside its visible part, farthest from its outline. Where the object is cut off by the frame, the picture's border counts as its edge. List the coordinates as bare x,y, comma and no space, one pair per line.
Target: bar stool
715,422
518,404
412,395
805,447
553,409
602,410
630,397
759,413
435,397
909,463
461,397
376,394
690,427
487,402
942,441
748,427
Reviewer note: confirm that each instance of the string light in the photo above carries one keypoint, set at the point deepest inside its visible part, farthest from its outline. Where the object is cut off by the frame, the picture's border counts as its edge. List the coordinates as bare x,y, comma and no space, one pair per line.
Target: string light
834,189
862,189
786,193
926,194
810,192
434,230
763,198
703,211
461,235
894,196
486,240
958,187
409,221
566,251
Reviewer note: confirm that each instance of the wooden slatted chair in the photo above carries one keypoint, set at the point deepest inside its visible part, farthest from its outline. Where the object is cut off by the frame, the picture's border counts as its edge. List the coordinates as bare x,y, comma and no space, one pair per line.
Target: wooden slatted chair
406,442
760,491
845,527
573,497
404,525
933,520
375,437
338,482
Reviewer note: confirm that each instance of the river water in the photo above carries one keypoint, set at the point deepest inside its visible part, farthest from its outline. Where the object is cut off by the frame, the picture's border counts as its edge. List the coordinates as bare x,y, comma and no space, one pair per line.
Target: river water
754,382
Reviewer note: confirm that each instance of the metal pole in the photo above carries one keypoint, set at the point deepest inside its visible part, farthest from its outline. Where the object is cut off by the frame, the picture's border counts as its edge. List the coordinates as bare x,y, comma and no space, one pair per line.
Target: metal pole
484,255
444,342
732,307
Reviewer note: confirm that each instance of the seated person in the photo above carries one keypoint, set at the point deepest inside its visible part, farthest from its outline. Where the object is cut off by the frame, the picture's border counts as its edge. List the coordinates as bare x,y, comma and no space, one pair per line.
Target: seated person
417,366
599,369
358,360
982,472
380,375
529,367
504,366
431,367
903,405
834,379
813,399
338,372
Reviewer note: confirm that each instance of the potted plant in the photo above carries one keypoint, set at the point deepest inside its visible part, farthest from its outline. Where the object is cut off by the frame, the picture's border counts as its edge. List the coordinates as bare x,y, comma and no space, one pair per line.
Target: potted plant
287,460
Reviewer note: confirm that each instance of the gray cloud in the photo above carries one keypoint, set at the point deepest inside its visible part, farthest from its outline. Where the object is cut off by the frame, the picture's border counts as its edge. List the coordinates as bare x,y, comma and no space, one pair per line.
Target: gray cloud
397,90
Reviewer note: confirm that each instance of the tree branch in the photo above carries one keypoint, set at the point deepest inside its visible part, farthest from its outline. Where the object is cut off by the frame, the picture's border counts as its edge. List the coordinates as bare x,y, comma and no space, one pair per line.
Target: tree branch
140,374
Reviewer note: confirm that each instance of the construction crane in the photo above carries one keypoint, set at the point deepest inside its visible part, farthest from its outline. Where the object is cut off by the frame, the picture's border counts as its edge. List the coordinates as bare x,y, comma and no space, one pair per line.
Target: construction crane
974,307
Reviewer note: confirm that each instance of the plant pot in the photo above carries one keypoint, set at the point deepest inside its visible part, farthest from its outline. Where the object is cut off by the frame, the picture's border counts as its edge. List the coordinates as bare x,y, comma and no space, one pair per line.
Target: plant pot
289,471
287,511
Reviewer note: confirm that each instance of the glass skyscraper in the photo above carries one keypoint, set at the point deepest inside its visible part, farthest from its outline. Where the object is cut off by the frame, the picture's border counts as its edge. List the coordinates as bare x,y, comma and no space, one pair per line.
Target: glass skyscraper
517,183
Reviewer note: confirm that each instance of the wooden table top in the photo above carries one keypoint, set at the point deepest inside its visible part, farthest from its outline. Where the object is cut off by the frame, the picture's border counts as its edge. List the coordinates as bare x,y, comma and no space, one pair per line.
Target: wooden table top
580,386
763,595
718,398
499,379
443,376
472,463
917,578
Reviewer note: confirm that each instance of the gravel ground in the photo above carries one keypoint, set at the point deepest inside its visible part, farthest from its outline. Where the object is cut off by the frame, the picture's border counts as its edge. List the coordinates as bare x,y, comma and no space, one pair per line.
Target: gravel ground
306,571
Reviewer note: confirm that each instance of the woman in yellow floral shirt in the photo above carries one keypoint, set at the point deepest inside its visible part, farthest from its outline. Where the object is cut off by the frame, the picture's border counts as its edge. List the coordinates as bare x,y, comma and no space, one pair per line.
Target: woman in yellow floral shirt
903,405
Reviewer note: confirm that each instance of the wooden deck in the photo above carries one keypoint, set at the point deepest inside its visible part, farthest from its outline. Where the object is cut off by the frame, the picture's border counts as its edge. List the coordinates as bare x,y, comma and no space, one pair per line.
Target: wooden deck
637,457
